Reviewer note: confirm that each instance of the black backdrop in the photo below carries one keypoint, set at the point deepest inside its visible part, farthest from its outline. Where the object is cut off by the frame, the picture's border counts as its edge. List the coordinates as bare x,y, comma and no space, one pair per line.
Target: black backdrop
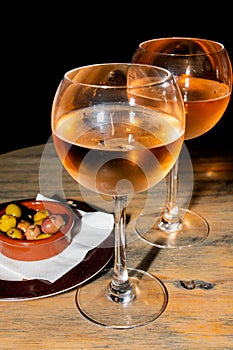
40,45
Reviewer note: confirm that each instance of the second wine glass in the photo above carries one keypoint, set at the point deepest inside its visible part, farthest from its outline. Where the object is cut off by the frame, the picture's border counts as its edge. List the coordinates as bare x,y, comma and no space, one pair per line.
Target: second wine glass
118,129
202,69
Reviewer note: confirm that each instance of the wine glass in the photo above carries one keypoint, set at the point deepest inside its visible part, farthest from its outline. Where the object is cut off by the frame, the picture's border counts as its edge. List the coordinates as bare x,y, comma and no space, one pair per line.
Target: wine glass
202,70
118,128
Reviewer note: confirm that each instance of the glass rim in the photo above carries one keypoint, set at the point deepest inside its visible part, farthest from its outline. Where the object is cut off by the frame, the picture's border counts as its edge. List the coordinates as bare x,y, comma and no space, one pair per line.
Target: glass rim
168,75
219,46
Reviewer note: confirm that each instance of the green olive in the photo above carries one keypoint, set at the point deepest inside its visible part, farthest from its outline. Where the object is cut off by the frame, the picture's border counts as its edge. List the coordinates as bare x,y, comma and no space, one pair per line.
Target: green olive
13,209
40,215
15,233
7,222
43,235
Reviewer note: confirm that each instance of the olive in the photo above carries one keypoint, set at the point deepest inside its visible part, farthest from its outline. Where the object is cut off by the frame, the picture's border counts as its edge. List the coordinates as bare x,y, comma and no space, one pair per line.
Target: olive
15,233
52,224
20,222
13,209
40,215
43,235
7,222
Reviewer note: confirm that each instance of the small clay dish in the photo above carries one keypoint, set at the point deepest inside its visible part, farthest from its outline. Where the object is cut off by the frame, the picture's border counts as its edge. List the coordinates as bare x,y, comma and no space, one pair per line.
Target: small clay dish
32,250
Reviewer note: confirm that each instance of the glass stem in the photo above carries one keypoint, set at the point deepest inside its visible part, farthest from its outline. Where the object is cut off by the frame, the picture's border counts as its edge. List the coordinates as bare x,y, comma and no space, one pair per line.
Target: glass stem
170,220
120,288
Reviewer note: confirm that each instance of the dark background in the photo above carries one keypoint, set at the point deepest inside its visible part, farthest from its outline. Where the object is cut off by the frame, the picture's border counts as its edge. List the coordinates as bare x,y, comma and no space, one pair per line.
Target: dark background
40,44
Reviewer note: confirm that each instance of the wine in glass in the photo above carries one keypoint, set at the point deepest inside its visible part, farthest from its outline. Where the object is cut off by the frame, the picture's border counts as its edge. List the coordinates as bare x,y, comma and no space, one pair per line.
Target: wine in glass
118,129
202,70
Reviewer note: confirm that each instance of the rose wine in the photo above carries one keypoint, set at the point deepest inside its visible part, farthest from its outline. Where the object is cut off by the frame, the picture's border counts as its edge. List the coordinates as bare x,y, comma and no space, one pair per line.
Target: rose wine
205,102
114,149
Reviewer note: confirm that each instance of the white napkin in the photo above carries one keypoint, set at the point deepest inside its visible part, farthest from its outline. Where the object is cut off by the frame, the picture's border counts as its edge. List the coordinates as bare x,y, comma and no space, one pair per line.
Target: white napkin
95,228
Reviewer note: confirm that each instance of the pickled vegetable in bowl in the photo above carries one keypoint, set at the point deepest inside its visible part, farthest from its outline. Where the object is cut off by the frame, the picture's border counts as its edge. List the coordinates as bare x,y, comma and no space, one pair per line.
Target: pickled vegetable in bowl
34,230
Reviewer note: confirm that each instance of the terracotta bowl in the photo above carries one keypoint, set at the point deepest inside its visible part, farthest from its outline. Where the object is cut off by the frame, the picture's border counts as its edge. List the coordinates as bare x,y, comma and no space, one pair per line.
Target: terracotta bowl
31,250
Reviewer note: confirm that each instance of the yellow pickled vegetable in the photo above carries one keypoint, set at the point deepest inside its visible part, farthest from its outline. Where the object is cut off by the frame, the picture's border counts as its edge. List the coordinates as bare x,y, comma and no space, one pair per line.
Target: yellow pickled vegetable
7,222
13,209
43,235
39,216
15,233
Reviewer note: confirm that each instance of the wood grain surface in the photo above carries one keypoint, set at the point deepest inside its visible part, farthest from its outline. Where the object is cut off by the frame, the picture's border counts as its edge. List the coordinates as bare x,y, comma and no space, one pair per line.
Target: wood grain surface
199,279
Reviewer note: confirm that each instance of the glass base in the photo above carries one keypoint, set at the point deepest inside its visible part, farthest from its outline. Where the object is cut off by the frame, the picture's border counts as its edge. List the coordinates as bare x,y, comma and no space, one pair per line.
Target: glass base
148,304
190,230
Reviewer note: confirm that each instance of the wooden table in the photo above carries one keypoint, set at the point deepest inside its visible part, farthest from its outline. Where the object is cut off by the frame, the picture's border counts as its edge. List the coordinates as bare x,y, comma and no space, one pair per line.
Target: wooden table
195,318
